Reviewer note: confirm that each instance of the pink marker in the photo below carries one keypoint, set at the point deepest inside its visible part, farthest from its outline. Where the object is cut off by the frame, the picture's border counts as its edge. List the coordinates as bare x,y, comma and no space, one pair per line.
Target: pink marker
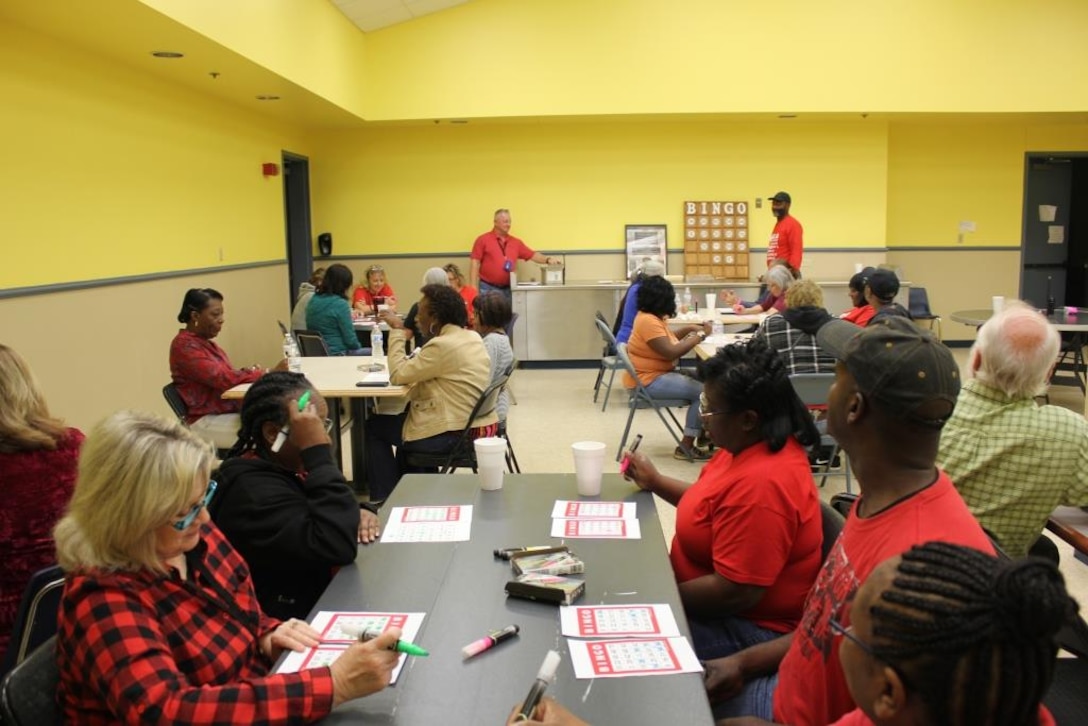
627,457
489,641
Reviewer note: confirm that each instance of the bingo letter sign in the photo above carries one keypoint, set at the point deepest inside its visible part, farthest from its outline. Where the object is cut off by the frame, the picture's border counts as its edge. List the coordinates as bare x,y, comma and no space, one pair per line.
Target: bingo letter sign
716,240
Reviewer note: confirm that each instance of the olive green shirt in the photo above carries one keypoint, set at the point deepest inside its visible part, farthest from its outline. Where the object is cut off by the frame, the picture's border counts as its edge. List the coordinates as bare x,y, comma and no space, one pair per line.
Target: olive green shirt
1014,461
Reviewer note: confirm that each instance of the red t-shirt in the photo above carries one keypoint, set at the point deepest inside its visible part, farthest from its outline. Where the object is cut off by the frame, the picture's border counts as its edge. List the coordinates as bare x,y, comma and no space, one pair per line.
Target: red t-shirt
493,254
786,242
857,717
811,687
859,316
755,520
363,293
468,294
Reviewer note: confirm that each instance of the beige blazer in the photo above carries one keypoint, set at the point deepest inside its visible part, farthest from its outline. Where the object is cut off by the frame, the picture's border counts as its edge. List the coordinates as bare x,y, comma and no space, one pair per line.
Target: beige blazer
447,376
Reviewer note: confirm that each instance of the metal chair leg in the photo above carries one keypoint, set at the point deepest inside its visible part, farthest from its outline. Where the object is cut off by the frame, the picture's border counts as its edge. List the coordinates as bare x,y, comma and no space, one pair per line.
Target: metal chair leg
608,392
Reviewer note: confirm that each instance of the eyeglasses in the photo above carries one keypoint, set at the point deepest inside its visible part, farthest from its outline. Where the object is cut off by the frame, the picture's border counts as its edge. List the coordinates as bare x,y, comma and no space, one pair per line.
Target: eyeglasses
704,408
848,633
183,524
328,426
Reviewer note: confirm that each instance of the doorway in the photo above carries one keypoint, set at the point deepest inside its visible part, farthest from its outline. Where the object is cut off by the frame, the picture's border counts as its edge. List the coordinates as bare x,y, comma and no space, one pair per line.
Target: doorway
296,205
1054,238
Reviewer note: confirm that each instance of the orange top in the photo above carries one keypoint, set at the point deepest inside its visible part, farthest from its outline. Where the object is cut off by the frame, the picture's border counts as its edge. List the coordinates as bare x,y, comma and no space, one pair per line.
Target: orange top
648,363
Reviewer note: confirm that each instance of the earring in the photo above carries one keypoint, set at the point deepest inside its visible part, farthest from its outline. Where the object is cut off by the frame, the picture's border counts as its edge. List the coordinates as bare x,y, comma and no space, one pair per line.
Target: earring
431,329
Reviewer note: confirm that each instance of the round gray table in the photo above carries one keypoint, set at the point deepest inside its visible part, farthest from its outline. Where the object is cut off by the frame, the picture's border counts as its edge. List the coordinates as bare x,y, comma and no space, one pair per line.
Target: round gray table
1060,319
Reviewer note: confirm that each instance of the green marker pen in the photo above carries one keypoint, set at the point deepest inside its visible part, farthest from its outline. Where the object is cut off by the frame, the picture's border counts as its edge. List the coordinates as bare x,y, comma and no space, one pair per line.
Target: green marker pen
281,437
400,646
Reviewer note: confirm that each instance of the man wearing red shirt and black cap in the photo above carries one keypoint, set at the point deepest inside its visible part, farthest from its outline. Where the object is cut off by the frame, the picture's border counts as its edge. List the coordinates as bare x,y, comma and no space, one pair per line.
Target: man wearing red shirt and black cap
786,241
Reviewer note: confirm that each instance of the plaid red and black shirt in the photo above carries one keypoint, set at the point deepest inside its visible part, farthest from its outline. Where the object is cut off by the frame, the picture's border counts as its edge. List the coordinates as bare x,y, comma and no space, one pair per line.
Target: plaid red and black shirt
202,372
149,648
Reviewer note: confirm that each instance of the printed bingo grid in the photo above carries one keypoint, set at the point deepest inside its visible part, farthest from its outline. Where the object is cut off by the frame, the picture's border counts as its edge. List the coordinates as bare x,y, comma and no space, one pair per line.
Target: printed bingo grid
618,621
429,524
596,528
639,657
340,629
565,509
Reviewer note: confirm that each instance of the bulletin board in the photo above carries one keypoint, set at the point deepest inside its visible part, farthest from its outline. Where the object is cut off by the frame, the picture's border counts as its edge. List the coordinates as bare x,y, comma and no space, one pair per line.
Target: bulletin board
716,240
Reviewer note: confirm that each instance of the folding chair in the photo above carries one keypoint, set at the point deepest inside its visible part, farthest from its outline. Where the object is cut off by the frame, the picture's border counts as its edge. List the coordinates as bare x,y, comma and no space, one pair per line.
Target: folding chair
609,361
181,410
812,389
28,695
463,453
918,305
641,398
311,344
1070,368
36,619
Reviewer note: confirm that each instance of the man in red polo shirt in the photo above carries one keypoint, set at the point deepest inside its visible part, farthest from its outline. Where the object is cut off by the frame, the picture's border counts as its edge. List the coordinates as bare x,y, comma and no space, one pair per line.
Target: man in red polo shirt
496,253
786,241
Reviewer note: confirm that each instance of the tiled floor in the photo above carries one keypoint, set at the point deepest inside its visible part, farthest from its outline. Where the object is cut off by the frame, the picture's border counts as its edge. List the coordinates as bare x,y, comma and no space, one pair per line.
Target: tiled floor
555,408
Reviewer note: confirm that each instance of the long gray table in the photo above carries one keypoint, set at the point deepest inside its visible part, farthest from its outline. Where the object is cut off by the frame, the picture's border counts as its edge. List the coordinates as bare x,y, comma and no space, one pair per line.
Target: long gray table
459,585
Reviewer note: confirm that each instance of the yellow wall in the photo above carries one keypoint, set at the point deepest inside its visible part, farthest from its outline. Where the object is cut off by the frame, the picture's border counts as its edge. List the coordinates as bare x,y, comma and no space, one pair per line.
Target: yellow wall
110,172
492,58
574,185
308,42
942,174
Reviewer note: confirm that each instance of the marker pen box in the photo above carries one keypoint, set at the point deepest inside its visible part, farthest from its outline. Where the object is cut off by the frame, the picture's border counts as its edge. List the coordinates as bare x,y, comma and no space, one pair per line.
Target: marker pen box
546,588
554,563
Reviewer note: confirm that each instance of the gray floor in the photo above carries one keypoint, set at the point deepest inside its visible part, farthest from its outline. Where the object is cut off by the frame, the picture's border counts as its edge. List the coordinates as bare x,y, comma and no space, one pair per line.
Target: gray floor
555,408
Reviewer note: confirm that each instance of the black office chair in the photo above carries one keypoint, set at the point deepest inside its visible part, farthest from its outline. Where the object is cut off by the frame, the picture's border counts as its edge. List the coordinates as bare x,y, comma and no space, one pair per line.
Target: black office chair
843,502
918,306
28,694
463,452
311,344
36,619
176,402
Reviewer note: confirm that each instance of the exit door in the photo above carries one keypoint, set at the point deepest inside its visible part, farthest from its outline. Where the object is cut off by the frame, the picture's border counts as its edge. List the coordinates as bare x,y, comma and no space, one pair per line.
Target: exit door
1046,241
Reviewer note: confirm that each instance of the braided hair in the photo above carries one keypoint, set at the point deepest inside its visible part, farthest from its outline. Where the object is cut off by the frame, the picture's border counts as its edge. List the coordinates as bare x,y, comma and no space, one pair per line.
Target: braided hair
264,402
971,634
752,377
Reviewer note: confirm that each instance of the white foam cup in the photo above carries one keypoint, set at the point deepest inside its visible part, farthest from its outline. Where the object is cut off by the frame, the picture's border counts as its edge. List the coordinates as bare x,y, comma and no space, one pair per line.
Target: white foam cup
999,303
588,466
490,462
711,302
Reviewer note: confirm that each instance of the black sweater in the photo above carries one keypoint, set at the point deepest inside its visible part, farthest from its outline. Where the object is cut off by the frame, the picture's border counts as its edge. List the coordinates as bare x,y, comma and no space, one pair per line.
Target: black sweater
291,530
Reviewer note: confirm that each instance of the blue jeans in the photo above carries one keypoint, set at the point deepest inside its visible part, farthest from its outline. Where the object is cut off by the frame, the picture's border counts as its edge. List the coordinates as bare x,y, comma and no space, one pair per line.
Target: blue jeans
677,385
728,635
755,699
486,287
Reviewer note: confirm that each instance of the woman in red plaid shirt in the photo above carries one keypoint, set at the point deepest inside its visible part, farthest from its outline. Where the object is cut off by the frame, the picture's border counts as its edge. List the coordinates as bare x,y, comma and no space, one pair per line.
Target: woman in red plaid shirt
159,621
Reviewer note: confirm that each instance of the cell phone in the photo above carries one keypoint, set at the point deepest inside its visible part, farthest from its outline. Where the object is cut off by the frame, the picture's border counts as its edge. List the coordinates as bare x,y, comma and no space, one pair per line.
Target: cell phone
372,384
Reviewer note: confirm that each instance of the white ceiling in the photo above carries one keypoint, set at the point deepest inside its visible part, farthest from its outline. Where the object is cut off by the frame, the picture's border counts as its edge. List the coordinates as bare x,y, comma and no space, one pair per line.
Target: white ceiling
371,15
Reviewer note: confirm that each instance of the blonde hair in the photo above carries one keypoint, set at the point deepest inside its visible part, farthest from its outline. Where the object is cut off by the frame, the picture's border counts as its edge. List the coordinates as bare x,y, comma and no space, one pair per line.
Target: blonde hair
136,472
25,423
804,293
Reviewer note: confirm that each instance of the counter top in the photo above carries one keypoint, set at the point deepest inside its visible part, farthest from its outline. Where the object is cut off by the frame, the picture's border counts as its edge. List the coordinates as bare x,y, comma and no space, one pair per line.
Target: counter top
623,285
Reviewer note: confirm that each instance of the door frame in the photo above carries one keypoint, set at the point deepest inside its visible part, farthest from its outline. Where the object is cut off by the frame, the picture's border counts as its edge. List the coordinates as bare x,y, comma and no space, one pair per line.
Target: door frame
298,232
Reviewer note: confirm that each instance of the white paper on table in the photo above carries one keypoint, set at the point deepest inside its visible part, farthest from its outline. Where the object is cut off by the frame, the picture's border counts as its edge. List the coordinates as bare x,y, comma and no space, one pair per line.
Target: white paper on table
635,657
335,640
618,621
595,529
446,523
376,377
566,509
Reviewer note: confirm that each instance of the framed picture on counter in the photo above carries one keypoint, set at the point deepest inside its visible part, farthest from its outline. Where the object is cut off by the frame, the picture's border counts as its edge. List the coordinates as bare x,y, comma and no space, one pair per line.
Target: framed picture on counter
646,242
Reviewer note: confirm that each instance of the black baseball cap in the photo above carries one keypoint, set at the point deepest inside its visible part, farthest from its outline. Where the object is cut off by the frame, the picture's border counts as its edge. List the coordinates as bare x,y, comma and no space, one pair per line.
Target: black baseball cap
884,284
782,197
904,368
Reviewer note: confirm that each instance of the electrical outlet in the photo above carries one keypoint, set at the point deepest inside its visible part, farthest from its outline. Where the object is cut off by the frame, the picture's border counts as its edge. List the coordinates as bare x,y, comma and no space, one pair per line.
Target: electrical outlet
759,202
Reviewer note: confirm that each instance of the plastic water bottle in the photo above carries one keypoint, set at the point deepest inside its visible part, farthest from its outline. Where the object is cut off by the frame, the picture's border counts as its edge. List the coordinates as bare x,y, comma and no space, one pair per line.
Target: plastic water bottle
687,299
290,352
376,349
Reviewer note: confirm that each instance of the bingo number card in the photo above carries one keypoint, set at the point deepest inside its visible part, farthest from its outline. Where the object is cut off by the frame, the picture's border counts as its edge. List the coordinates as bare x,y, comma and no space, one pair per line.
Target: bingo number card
639,657
618,621
594,510
340,630
597,528
429,524
716,240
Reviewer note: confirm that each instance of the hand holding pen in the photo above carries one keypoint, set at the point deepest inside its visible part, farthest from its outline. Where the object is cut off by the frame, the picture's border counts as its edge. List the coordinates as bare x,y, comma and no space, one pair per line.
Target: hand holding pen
365,667
548,713
304,427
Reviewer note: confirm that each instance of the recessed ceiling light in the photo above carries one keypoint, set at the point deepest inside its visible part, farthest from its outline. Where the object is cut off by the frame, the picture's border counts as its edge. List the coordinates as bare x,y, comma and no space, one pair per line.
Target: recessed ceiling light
268,98
167,54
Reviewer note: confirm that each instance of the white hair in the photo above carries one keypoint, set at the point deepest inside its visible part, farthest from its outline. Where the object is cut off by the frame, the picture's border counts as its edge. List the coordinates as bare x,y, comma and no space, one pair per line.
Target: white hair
435,276
1017,349
779,275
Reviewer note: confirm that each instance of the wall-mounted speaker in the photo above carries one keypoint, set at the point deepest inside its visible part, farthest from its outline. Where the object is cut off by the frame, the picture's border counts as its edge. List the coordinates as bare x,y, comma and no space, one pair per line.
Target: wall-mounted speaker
324,243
